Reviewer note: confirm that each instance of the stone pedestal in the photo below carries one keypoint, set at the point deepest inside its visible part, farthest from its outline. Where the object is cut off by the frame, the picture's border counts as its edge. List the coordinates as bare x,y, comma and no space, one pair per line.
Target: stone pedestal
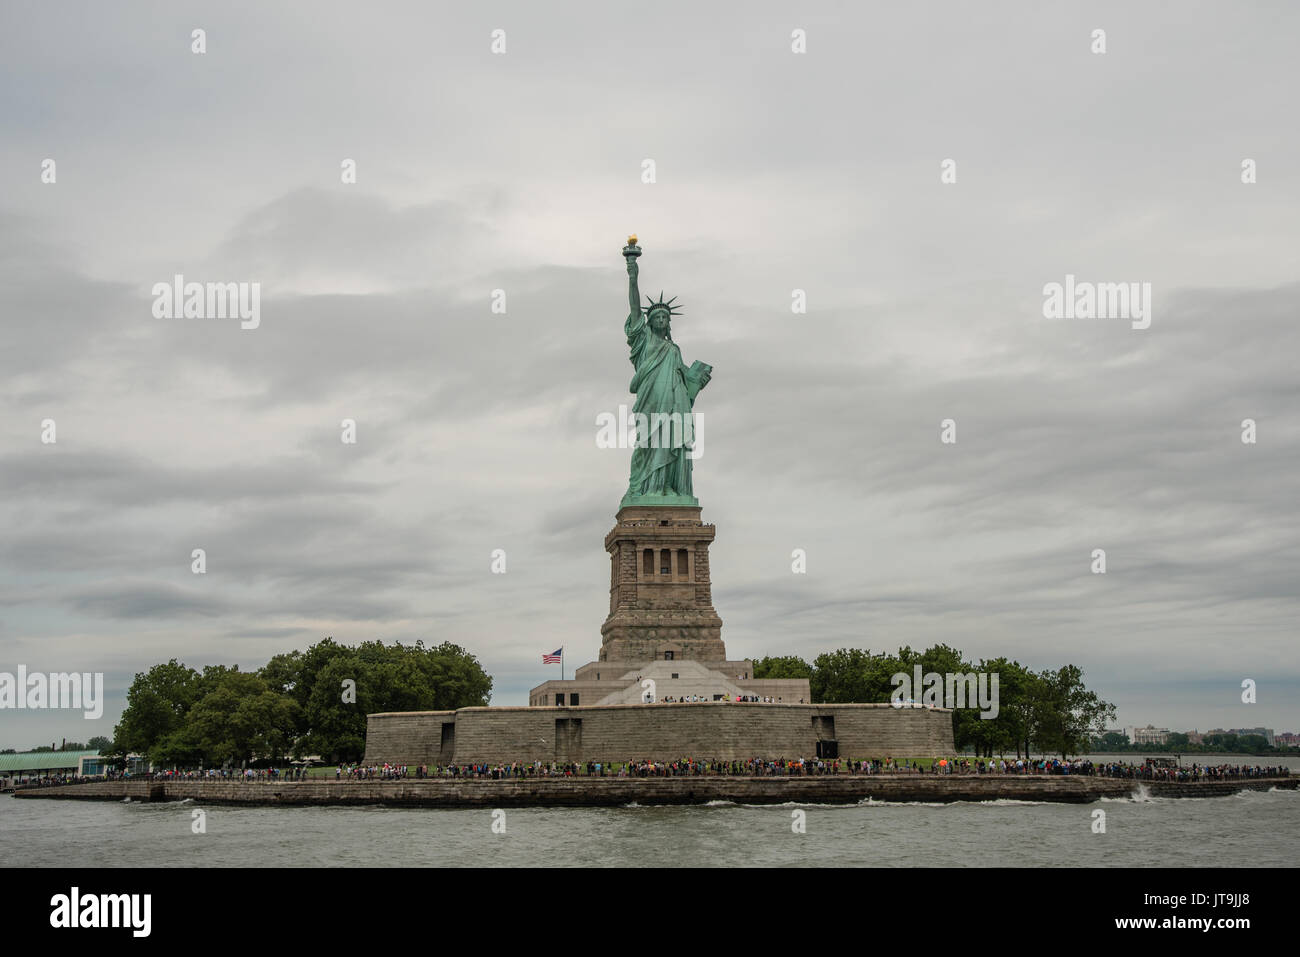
660,599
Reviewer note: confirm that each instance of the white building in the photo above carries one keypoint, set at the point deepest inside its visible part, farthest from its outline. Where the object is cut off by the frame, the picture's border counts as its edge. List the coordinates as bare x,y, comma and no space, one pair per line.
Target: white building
1150,735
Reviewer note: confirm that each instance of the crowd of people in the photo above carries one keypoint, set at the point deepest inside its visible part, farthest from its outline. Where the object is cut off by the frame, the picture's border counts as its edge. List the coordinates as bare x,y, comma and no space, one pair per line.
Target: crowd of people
796,767
43,780
1112,769
168,774
686,767
1193,772
247,775
679,699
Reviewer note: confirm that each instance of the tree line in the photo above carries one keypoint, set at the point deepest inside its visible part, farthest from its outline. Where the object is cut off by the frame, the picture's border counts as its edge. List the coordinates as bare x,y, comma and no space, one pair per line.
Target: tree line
97,743
1045,712
1179,742
299,703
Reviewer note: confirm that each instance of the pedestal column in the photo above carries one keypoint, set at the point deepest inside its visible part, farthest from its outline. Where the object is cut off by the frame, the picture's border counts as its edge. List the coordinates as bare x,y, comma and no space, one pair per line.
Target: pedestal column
660,598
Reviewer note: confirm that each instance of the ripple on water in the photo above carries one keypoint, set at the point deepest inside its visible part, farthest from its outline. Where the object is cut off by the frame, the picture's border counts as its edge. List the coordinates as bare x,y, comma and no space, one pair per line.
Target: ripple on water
1257,828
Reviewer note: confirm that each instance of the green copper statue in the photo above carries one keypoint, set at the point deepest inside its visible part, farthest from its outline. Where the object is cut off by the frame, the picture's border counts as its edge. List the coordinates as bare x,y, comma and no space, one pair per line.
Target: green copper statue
665,391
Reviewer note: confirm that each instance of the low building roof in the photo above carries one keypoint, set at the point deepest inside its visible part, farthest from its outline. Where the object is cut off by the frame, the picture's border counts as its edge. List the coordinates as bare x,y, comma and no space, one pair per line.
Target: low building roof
43,760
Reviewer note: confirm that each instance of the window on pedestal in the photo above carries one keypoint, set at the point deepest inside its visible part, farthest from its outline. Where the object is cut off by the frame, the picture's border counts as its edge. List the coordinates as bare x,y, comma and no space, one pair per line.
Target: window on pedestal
683,564
648,563
665,562
668,656
559,699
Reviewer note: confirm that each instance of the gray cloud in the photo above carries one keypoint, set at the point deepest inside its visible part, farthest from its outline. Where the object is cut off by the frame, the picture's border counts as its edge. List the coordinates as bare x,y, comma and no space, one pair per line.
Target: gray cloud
476,431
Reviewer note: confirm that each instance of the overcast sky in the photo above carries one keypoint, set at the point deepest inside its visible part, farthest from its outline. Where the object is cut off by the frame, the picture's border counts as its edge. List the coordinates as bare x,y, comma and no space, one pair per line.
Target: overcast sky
775,171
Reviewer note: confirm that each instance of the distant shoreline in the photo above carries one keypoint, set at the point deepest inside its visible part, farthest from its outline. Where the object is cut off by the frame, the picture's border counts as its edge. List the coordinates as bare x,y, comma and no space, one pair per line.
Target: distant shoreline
686,790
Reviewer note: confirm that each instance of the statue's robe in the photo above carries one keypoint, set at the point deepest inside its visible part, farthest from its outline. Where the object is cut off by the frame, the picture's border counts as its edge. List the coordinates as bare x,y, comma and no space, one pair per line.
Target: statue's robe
660,463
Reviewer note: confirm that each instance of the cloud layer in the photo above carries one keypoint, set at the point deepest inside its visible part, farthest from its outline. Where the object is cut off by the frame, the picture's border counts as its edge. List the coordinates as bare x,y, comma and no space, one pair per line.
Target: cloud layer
476,431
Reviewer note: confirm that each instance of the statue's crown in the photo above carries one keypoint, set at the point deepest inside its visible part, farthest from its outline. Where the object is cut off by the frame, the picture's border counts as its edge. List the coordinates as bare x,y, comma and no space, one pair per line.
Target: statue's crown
653,305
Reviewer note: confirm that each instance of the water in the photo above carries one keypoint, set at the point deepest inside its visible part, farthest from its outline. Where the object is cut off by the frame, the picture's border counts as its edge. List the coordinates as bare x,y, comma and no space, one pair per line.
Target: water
1246,829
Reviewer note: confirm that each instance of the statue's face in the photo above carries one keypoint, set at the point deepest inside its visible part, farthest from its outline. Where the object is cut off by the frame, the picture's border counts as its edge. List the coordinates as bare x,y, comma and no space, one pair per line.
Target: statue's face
659,322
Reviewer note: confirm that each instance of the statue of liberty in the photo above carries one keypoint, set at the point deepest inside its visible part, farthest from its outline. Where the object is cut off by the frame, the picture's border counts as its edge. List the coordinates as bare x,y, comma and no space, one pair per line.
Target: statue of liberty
665,391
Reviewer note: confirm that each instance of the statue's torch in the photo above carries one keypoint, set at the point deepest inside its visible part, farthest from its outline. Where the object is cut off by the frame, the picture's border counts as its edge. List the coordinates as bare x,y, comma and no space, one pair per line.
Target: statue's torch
631,250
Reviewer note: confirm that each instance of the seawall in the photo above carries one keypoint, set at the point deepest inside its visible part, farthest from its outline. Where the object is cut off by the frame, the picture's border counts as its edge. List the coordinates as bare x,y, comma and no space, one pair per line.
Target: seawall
615,792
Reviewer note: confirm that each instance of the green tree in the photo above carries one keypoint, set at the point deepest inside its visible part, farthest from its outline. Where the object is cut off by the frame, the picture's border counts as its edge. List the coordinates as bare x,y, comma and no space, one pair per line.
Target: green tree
979,730
838,676
787,666
1019,691
940,659
455,676
313,660
156,705
337,725
1067,713
372,678
284,673
313,701
1252,744
179,748
850,675
241,719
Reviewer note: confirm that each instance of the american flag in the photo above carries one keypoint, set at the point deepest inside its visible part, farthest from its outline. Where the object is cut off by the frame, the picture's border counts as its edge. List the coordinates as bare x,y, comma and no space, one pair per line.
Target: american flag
554,657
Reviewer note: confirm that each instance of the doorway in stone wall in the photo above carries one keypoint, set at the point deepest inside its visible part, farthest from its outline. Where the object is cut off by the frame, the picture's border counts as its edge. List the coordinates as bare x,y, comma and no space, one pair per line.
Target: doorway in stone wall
568,740
447,746
823,727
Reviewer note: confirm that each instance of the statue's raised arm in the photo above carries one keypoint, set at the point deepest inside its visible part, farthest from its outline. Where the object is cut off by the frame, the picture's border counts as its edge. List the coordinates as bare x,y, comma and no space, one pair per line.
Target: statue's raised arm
634,317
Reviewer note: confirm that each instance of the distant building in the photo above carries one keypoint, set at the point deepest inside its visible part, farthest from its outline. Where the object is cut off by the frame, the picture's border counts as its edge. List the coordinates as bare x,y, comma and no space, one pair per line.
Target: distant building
30,766
1150,735
1195,737
33,765
97,765
1288,739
